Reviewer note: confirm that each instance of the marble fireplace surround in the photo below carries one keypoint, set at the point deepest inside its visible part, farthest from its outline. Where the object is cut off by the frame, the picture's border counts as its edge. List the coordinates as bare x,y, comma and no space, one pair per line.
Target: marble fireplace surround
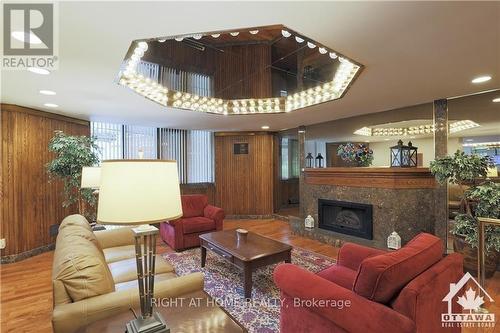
403,200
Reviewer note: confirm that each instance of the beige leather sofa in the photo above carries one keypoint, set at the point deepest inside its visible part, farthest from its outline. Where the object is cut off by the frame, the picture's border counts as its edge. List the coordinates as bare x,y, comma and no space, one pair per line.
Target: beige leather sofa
94,275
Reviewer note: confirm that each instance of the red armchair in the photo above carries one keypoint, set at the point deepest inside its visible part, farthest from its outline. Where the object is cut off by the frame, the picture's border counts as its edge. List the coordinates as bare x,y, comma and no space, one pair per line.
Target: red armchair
399,291
198,218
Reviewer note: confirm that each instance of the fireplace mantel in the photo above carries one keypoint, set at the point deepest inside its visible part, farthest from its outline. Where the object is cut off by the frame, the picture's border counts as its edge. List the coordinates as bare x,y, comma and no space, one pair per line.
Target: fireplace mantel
393,178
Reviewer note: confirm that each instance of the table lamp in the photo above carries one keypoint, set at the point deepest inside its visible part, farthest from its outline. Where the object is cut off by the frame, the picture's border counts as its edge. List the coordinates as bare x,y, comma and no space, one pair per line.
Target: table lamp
140,192
91,177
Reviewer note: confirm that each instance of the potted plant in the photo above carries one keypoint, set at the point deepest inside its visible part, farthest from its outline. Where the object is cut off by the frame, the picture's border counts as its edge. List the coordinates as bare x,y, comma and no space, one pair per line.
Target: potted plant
72,153
477,200
356,153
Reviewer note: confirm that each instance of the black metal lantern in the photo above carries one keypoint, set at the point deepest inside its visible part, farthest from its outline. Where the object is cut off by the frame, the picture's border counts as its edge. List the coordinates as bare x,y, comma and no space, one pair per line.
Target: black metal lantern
309,160
319,161
404,156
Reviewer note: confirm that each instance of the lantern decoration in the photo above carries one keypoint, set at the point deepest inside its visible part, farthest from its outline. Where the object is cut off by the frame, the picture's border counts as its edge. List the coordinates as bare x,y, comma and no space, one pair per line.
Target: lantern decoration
309,161
319,161
309,222
404,156
394,241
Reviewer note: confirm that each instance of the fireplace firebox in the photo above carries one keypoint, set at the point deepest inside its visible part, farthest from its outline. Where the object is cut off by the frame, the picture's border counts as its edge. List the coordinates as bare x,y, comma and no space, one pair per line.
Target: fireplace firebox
348,218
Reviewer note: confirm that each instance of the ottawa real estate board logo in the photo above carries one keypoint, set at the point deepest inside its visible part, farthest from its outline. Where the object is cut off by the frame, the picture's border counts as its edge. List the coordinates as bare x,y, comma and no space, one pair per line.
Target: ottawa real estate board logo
471,301
29,36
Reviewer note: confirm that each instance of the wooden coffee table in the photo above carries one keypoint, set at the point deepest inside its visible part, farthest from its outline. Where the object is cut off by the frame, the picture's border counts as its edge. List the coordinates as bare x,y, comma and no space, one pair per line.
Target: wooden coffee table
248,253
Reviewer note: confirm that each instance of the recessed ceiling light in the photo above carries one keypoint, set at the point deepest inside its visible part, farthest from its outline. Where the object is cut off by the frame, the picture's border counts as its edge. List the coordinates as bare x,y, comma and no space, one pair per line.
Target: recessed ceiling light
481,79
38,70
265,127
51,105
47,92
496,100
30,37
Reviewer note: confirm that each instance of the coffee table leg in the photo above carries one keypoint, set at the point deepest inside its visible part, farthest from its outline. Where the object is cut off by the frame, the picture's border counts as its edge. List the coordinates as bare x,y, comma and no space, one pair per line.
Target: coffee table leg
203,256
247,271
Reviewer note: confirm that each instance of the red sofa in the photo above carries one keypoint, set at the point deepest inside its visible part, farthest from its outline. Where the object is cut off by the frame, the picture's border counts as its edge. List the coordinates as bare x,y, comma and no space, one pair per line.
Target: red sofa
198,218
399,291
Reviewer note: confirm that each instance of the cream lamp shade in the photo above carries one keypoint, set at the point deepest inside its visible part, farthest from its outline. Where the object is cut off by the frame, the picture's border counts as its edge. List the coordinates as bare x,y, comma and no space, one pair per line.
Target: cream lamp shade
492,172
138,192
91,177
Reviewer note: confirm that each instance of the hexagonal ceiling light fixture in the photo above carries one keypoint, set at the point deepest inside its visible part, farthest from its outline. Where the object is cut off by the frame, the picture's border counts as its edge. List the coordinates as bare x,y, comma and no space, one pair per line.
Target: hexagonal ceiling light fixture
258,70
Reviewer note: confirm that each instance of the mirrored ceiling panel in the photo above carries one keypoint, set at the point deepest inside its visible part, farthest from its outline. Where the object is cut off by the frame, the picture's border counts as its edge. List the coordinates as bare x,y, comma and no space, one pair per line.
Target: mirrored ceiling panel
269,69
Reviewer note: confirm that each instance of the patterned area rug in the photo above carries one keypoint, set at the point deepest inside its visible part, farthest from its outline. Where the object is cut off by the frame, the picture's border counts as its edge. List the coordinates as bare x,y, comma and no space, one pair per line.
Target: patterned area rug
224,282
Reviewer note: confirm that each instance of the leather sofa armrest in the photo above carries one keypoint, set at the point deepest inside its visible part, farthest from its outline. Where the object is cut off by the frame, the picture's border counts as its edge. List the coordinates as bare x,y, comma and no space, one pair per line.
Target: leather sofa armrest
362,315
215,213
115,237
68,318
351,255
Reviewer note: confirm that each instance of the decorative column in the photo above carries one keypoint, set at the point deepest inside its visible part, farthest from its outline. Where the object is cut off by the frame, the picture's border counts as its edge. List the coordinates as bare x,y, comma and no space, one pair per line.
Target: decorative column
440,223
302,164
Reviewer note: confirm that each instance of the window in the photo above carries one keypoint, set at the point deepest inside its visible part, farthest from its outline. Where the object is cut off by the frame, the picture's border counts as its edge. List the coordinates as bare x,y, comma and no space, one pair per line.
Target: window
109,139
289,158
140,139
192,149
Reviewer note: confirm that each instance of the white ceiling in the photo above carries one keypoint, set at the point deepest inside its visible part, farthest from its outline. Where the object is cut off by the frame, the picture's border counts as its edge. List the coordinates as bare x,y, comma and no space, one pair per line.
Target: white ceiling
414,52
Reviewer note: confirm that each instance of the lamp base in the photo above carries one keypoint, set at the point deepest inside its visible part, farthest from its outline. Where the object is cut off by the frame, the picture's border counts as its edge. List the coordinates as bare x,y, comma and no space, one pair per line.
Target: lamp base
153,324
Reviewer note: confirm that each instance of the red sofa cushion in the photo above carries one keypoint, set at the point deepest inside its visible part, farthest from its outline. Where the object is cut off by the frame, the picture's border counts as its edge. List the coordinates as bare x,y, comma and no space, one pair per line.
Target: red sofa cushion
193,205
341,275
197,224
381,277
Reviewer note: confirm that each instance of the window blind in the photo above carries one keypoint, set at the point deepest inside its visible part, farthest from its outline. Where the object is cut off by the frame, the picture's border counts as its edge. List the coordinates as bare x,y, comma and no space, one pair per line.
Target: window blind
137,139
109,139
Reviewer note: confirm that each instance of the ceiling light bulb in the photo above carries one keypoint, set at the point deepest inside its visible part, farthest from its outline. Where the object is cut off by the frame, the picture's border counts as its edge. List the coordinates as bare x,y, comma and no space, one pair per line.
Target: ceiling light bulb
333,55
254,32
179,39
496,100
234,34
481,79
162,40
47,92
298,39
197,37
143,46
38,70
311,45
51,105
215,35
24,36
265,127
322,50
285,33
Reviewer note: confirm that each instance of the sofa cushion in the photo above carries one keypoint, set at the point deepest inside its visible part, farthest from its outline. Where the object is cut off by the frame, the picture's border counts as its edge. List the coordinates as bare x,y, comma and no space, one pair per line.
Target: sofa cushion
133,284
197,224
75,220
381,277
193,205
126,270
81,268
73,230
117,253
340,275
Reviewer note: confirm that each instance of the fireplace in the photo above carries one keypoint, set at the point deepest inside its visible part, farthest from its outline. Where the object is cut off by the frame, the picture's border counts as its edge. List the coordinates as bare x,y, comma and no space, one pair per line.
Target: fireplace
347,218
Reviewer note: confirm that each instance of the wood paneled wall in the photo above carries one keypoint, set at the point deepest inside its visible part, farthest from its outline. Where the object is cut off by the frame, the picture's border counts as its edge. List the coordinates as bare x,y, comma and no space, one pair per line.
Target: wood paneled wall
207,189
29,203
244,183
243,71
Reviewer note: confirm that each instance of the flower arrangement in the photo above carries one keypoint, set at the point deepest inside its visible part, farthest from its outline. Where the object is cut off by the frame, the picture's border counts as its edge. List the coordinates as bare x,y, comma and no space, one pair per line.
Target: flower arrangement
356,153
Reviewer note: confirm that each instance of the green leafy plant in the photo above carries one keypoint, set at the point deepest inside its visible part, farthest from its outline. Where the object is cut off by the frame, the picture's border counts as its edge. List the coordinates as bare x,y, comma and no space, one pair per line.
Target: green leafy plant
481,200
486,201
72,153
